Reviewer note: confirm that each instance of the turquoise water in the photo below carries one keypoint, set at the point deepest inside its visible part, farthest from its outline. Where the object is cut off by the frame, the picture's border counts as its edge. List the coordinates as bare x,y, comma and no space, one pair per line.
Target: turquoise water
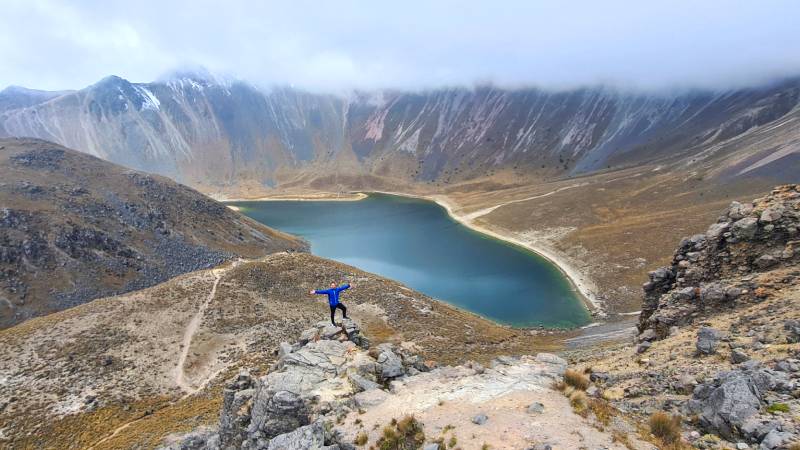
417,243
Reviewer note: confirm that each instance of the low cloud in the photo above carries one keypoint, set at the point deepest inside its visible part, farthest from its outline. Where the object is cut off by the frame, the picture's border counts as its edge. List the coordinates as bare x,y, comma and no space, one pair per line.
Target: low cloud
343,45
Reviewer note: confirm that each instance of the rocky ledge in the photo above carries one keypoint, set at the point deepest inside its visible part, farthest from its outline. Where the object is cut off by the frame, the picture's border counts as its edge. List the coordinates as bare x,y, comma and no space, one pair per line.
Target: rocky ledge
331,390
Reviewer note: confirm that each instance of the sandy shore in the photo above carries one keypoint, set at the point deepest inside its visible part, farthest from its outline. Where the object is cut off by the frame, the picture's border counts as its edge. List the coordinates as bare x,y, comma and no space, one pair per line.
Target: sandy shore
349,197
580,282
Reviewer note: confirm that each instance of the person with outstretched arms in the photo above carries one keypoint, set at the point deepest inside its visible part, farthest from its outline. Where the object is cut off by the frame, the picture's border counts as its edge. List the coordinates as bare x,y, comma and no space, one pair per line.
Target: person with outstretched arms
333,299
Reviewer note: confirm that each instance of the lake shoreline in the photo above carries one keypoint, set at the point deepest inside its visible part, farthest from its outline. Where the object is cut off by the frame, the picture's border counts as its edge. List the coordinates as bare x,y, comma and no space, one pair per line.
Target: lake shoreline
576,278
579,281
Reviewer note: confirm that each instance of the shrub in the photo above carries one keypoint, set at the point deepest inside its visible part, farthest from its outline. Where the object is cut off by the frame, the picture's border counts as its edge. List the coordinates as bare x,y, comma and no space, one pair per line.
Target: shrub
665,427
778,408
576,379
405,434
578,401
361,439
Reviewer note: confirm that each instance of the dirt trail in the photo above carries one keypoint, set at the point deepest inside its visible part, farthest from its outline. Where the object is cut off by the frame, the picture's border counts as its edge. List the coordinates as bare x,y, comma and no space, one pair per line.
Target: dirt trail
188,334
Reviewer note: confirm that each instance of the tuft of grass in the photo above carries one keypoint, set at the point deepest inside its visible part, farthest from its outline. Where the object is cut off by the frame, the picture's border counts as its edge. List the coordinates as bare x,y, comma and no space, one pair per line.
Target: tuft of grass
795,446
453,441
622,438
576,379
602,410
578,400
361,439
665,427
778,408
405,434
485,446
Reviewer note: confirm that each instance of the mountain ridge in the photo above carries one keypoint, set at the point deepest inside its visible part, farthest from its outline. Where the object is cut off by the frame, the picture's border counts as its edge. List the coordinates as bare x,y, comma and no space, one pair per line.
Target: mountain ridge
214,134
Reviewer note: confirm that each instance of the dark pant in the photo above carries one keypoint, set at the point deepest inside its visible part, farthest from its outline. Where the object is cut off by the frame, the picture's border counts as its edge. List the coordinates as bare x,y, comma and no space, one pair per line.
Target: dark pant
333,311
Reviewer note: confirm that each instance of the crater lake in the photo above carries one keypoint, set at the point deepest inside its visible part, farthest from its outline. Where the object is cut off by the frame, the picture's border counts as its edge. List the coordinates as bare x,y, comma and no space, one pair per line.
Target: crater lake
416,242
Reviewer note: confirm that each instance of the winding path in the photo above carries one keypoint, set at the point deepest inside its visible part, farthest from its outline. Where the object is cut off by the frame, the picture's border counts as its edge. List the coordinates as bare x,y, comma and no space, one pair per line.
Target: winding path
188,335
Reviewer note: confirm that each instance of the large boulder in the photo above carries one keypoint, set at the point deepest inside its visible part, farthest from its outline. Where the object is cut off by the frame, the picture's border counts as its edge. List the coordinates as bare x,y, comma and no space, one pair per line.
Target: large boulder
725,406
309,437
745,229
707,340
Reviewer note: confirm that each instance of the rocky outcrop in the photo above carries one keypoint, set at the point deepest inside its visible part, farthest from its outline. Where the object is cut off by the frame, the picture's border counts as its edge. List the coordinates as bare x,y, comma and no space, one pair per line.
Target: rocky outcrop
332,373
717,270
315,379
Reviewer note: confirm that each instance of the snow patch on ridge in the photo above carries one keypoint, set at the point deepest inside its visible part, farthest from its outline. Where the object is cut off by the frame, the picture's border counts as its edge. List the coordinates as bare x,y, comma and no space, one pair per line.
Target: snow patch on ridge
149,101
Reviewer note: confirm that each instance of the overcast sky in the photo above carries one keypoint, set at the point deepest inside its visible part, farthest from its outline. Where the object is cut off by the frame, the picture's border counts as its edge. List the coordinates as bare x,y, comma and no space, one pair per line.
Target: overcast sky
341,45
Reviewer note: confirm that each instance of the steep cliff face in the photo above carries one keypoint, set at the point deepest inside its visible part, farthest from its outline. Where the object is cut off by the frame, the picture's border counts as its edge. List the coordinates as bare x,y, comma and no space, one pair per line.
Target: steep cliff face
215,133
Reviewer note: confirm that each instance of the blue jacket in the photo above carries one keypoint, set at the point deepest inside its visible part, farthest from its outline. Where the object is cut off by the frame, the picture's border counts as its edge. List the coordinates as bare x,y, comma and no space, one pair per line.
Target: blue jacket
333,294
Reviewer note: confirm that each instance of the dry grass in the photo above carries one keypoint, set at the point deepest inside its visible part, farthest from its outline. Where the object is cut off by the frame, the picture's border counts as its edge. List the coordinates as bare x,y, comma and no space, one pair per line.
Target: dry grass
665,427
622,438
361,439
576,379
405,434
579,401
602,410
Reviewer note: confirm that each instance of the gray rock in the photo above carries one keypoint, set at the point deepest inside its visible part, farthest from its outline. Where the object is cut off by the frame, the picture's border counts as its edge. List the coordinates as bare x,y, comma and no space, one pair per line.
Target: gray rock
276,413
707,340
372,397
430,447
776,439
361,383
745,229
480,419
535,408
284,348
726,404
739,210
599,377
742,446
756,429
643,347
793,330
716,230
647,335
557,364
309,437
391,365
201,439
787,366
685,294
765,261
772,213
738,356
712,293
